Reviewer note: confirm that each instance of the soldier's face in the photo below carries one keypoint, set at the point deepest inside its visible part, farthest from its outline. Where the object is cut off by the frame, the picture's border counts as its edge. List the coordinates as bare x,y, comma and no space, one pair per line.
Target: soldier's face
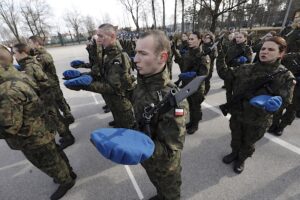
240,38
269,52
147,61
32,44
104,38
194,41
184,37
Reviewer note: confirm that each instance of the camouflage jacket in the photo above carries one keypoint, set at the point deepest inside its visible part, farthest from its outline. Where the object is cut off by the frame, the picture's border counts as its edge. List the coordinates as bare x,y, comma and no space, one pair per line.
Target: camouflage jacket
46,60
21,123
293,41
115,73
235,51
33,68
245,76
166,128
206,48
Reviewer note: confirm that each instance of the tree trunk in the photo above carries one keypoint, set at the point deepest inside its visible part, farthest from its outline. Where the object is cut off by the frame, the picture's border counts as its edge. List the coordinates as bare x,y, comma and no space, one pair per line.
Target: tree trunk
164,15
175,17
153,14
182,16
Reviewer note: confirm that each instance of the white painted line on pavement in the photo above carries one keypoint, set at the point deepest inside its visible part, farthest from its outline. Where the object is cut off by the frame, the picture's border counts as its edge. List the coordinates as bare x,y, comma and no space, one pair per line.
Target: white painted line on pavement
128,170
270,137
135,185
23,162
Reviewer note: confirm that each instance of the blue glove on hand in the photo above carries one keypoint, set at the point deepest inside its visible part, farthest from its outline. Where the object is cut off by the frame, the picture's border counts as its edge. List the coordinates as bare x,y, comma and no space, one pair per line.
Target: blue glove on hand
187,75
84,80
18,67
242,59
69,74
273,104
268,103
75,63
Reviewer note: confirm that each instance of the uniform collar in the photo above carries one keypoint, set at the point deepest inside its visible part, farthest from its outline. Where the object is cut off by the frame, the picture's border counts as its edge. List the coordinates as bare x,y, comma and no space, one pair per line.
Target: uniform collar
154,82
25,61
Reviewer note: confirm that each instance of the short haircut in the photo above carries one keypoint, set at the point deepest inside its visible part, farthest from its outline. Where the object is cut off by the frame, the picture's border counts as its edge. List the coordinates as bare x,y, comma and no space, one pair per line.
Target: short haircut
279,41
198,34
22,48
162,43
5,56
37,39
108,28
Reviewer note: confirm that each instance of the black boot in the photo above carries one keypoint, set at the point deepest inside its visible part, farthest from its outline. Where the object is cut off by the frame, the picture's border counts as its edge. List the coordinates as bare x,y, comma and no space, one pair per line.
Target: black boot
192,129
239,166
106,110
105,107
62,190
272,128
112,123
298,114
230,157
66,141
276,130
188,125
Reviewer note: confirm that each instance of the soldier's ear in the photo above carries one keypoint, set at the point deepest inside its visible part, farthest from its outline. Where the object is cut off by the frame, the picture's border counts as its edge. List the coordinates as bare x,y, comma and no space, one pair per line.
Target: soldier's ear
164,56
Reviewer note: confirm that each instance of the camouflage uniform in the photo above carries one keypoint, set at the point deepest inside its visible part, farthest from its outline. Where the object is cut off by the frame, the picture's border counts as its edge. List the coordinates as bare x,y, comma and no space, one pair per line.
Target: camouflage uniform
47,63
194,61
235,51
212,55
45,59
23,128
293,41
167,132
248,123
116,85
282,120
183,49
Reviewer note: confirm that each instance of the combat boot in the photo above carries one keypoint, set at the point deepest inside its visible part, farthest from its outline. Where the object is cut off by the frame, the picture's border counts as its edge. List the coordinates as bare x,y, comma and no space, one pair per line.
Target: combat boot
112,123
239,166
272,128
192,129
298,114
276,130
66,141
106,109
62,190
188,125
230,157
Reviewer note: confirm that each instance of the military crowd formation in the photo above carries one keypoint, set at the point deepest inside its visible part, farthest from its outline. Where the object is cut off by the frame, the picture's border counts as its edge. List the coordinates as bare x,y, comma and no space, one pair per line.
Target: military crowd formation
261,79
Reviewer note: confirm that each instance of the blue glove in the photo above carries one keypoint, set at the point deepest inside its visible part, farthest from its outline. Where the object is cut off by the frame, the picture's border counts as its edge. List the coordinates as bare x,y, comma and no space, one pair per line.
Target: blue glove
75,63
242,59
273,104
69,74
268,103
123,146
187,75
18,67
84,80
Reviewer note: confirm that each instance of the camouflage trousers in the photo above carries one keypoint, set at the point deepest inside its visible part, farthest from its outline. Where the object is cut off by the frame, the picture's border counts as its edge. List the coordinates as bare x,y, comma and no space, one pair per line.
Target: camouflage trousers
195,101
61,101
48,159
244,136
207,80
164,171
121,109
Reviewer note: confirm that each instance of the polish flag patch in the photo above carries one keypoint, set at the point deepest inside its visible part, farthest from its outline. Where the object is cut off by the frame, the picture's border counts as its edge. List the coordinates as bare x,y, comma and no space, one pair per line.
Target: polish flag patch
179,112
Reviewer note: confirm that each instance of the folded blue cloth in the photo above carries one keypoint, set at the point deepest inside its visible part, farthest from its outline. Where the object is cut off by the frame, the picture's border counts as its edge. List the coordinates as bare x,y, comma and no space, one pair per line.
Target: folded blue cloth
242,59
72,73
18,67
187,75
267,102
123,146
75,63
84,80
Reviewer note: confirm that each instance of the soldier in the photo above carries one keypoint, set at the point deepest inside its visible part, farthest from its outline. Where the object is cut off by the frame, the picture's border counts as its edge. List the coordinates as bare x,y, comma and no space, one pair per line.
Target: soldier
164,167
293,37
116,82
282,119
249,123
23,127
183,48
208,41
42,56
196,62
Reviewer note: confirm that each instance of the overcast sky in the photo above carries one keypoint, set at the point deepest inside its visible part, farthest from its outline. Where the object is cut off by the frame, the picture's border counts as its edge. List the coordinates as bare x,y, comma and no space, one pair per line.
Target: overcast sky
101,10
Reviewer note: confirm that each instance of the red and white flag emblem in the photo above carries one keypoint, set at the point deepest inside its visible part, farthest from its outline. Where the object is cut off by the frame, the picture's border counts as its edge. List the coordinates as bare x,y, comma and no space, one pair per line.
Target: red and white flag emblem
179,112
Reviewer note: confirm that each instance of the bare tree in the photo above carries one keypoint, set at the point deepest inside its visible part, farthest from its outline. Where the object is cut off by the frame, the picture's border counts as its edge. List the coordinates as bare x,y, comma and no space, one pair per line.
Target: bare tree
73,19
10,16
175,17
89,25
153,13
182,16
35,14
164,15
132,6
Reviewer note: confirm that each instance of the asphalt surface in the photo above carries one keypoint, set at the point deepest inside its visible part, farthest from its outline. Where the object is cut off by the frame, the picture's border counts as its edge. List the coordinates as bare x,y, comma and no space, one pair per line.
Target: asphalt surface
271,174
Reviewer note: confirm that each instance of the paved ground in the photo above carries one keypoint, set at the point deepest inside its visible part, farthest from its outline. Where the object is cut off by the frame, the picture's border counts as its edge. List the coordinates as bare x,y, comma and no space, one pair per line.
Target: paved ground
272,174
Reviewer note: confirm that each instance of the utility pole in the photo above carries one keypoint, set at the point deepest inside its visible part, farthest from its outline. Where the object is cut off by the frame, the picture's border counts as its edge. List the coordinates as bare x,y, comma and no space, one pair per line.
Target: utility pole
286,14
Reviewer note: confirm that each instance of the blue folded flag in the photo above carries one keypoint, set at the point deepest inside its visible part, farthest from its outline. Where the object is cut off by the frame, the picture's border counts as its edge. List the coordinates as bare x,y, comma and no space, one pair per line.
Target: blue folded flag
267,102
76,63
123,146
187,75
72,73
84,80
242,59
